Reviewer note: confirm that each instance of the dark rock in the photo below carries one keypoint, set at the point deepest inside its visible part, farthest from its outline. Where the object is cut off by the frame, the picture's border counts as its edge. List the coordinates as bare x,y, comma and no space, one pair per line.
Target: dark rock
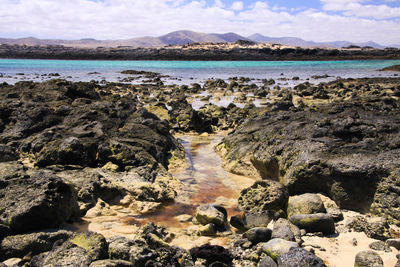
7,153
4,231
286,230
119,247
42,199
394,242
111,263
312,223
305,204
258,234
67,254
368,258
299,257
380,246
211,253
330,148
262,196
267,261
19,246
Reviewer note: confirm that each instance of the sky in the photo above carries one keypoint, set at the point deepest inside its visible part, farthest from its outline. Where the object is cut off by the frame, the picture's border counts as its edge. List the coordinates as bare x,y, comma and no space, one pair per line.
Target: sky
316,20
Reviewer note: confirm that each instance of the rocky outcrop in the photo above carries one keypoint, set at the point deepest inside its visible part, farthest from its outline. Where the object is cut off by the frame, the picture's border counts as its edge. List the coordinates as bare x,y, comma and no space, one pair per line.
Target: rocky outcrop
40,198
343,145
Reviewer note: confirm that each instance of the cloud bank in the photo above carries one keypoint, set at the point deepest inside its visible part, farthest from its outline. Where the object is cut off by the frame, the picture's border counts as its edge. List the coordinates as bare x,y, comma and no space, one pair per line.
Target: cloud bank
353,20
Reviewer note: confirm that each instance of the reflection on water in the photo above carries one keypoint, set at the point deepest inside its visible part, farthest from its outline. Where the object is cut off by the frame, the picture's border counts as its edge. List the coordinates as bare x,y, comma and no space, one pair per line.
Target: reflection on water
204,181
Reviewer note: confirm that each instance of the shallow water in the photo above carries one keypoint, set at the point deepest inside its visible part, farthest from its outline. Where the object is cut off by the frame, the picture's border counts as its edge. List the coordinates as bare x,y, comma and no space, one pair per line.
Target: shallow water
204,181
192,71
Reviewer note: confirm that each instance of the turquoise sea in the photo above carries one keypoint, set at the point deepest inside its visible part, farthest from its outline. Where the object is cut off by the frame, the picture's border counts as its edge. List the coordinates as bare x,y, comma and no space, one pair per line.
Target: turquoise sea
191,71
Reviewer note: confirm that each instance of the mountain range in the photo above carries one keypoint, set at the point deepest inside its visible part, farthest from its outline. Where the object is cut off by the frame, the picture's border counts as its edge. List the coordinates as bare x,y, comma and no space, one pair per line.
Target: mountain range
184,37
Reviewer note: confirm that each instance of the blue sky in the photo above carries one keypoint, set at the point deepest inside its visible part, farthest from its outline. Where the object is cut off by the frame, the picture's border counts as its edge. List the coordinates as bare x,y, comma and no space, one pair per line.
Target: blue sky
317,20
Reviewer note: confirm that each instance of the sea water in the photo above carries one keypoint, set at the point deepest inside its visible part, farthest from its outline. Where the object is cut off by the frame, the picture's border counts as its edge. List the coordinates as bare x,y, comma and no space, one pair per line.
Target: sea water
186,72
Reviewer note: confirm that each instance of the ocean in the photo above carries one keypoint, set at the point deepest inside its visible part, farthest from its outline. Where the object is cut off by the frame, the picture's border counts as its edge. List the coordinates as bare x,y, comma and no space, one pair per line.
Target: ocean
186,72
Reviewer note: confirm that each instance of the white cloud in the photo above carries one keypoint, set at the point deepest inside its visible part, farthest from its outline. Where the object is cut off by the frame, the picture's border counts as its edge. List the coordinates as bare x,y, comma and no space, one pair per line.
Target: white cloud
359,9
123,19
237,5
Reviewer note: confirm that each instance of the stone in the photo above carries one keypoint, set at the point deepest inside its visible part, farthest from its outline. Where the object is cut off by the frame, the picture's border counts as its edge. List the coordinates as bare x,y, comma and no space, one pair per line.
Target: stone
312,223
368,258
284,229
305,204
276,247
247,220
42,199
111,263
299,257
19,246
262,196
208,230
13,262
258,234
206,214
211,253
267,261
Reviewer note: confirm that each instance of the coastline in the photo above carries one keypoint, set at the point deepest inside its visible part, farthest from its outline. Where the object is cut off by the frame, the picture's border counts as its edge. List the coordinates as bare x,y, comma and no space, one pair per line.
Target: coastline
103,152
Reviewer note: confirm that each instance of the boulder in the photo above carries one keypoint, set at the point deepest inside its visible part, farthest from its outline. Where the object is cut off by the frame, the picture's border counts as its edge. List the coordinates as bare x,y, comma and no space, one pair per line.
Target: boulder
19,246
258,234
299,257
368,258
305,204
312,223
284,229
206,214
265,195
41,199
276,247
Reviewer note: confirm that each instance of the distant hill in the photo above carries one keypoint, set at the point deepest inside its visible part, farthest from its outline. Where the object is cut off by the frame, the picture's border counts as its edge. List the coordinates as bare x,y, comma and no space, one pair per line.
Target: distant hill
300,42
181,38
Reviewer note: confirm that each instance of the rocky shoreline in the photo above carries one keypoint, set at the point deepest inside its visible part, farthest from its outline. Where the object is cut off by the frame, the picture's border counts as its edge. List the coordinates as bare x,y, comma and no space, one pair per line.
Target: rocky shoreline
188,53
324,159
